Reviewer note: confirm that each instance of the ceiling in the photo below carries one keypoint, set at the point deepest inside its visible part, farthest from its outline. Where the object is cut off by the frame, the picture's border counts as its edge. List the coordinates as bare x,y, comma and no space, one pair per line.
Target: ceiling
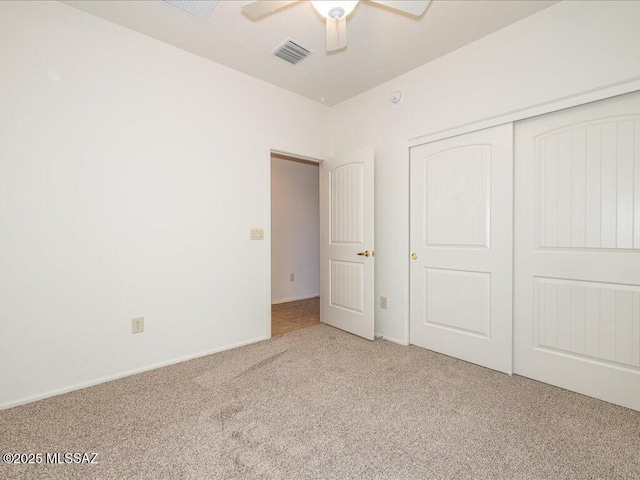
382,43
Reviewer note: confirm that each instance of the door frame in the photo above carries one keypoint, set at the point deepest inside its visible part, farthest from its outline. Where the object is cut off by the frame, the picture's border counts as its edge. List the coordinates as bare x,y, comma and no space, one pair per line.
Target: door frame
267,229
534,110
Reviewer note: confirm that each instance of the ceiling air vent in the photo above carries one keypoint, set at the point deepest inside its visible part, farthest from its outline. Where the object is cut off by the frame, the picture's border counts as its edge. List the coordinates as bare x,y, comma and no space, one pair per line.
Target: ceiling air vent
200,9
291,51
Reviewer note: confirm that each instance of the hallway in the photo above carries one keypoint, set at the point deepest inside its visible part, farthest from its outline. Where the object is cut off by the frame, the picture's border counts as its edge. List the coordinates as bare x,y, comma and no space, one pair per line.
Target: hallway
291,316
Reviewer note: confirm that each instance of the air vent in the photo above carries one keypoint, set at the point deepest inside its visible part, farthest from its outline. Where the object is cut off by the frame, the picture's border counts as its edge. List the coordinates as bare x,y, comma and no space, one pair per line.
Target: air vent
200,9
292,51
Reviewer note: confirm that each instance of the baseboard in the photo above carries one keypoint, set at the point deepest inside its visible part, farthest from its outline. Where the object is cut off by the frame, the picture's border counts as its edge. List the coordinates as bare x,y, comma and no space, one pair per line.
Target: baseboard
295,299
390,339
116,376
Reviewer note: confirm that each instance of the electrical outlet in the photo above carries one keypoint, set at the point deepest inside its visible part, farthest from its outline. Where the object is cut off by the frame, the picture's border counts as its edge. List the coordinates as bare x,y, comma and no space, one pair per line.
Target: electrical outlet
256,234
292,277
137,325
383,302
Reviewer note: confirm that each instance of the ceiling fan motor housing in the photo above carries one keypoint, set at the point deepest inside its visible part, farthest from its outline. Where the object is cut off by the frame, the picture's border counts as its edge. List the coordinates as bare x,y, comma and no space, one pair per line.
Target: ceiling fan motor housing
336,13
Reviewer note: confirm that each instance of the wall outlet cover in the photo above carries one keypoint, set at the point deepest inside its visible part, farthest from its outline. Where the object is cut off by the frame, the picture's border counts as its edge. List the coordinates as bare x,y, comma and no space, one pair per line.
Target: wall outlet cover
137,325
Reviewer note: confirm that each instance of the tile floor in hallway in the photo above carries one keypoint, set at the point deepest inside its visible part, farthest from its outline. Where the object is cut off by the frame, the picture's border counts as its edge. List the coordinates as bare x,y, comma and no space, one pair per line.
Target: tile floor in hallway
290,316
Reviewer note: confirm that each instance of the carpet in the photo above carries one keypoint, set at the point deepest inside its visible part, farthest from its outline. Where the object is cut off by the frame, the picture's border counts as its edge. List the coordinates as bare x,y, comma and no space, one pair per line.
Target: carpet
319,403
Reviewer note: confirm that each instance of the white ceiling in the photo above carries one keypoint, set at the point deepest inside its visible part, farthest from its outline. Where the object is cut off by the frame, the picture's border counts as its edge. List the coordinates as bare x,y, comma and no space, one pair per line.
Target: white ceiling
382,43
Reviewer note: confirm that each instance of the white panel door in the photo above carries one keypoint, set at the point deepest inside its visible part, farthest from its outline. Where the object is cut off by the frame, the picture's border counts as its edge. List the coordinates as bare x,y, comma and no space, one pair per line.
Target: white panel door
577,249
461,244
346,253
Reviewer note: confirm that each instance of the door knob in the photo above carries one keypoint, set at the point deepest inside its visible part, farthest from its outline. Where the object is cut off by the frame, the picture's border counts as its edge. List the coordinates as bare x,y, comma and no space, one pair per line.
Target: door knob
366,253
414,256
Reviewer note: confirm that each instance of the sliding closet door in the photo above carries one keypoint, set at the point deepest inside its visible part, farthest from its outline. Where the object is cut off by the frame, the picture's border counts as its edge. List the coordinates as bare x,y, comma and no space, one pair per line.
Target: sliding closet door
577,249
461,244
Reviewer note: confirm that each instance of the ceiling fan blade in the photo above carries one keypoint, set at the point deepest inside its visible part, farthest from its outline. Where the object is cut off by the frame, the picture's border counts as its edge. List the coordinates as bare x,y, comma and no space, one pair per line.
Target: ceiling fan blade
412,7
336,34
260,8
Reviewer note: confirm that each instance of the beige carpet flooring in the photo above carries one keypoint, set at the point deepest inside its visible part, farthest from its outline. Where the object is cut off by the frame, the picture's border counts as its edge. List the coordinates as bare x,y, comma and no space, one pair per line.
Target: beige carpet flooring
292,316
320,403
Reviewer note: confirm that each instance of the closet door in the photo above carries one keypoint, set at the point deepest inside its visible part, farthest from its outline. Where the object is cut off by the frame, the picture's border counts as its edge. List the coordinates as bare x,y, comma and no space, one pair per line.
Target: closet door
461,243
577,249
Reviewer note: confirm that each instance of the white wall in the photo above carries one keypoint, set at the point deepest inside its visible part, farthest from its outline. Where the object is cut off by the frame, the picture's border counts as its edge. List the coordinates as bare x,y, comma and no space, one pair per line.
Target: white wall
128,187
567,49
295,234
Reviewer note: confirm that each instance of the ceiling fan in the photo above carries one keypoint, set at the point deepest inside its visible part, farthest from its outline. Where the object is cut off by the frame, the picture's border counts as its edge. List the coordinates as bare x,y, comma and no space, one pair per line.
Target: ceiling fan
335,12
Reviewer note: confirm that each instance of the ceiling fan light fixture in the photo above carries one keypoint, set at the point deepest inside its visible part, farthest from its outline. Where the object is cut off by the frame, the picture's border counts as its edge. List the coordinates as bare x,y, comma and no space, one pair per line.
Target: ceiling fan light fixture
334,9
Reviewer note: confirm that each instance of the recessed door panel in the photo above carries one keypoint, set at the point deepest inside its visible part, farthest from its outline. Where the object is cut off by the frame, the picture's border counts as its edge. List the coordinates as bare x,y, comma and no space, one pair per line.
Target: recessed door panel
457,200
347,281
347,204
586,189
458,300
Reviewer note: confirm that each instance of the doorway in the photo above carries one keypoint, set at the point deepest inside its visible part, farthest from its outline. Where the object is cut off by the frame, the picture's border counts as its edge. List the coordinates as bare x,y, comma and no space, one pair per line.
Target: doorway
295,244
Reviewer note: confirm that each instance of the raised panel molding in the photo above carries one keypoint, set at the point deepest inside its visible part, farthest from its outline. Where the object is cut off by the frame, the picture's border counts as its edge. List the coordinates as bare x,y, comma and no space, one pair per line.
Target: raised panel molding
589,319
458,300
346,285
588,193
346,226
457,197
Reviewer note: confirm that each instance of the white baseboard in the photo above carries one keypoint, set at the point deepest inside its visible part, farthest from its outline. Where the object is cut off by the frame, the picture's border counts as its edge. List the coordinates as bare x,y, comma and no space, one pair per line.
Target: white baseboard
390,339
295,299
108,378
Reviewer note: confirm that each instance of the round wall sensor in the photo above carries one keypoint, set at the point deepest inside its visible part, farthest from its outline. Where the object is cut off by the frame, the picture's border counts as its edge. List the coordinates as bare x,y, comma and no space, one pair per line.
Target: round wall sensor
396,96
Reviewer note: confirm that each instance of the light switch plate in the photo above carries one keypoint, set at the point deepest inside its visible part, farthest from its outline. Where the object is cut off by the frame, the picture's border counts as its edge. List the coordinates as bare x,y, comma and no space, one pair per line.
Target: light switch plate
257,234
383,302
